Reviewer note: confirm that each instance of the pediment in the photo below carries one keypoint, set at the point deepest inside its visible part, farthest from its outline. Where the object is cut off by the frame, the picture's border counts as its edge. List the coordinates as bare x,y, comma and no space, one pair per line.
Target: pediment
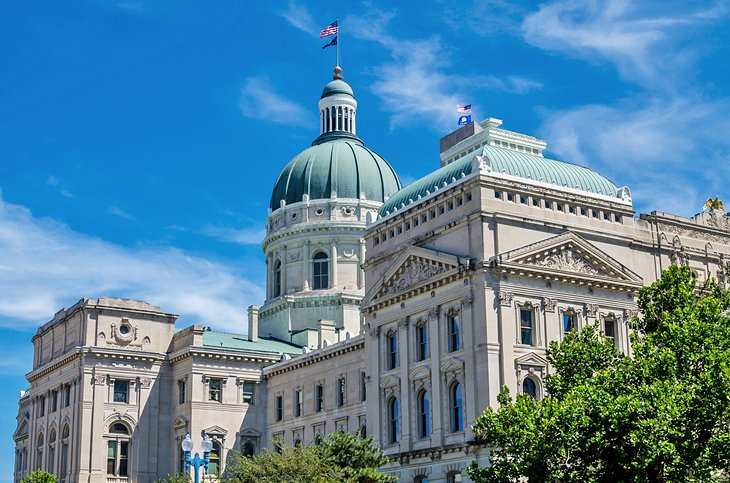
414,268
531,359
568,258
389,381
180,423
420,372
453,364
250,433
21,432
215,431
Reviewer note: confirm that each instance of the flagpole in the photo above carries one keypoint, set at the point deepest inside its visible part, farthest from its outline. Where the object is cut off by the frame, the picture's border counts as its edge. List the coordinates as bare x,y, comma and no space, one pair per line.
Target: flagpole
337,55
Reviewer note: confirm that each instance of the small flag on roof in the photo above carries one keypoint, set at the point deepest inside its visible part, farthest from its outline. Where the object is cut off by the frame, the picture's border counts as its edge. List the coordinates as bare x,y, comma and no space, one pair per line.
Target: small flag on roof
331,29
334,42
463,109
464,120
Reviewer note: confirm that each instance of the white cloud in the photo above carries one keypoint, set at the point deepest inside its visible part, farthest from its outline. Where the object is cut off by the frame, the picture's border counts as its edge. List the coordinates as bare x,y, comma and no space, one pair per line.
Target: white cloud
299,17
415,84
46,265
645,42
116,211
260,101
245,236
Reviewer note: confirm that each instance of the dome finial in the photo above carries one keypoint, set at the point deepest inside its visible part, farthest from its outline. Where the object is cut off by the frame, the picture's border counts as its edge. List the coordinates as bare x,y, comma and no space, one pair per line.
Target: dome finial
338,73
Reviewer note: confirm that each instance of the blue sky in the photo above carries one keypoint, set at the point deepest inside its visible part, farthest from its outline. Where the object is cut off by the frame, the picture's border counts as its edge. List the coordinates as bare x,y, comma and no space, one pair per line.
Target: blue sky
139,141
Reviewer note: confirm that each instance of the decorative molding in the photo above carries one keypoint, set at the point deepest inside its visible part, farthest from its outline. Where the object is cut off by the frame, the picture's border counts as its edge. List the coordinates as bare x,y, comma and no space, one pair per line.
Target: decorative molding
433,312
549,304
591,310
569,260
415,272
403,323
466,301
630,313
505,298
694,233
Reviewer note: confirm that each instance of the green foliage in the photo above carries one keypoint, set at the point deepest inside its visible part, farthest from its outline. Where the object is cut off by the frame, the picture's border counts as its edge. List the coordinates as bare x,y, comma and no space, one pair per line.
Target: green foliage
176,478
39,476
661,414
340,457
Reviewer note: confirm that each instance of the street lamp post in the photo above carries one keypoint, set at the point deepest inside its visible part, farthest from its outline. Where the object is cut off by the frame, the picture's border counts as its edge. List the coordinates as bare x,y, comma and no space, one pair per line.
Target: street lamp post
196,461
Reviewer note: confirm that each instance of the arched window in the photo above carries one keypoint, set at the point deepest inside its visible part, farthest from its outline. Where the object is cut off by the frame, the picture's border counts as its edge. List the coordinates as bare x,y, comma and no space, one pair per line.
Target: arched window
457,410
117,456
214,467
277,278
39,446
454,333
452,477
248,449
421,479
393,420
424,414
320,271
51,451
64,452
529,387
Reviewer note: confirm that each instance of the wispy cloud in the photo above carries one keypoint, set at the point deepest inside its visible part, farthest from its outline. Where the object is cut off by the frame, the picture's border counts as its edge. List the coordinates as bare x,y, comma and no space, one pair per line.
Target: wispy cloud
299,17
116,211
131,7
47,265
243,236
260,101
418,75
60,187
647,43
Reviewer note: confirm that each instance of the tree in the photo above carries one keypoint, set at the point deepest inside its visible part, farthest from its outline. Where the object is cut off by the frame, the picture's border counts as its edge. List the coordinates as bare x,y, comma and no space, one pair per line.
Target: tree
175,478
340,457
661,414
39,476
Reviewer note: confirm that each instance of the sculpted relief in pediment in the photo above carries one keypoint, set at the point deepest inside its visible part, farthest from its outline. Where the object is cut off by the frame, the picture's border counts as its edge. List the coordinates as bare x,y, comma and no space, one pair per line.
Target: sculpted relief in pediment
570,260
414,273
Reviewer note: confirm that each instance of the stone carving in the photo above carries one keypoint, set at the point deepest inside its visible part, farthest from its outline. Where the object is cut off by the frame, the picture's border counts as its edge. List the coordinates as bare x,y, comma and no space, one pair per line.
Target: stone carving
630,313
569,260
505,298
416,272
403,323
679,256
99,379
466,301
723,268
433,312
549,304
348,253
591,310
294,255
694,233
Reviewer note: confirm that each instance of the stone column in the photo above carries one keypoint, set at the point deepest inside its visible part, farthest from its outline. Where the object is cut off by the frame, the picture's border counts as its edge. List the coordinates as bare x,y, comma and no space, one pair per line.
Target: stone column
507,336
470,395
360,261
434,349
333,255
405,386
306,264
283,271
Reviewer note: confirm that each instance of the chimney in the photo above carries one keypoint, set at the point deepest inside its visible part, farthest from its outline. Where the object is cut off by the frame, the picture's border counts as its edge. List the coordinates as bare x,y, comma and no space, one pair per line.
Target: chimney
253,323
326,332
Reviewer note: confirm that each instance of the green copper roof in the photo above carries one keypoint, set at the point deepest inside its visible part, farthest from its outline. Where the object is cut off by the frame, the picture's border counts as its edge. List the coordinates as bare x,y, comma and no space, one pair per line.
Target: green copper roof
241,342
336,86
337,162
509,162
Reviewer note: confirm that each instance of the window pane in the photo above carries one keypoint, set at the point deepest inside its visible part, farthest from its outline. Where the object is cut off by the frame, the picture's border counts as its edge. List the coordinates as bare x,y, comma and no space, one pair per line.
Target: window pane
121,391
279,408
214,392
320,272
530,388
610,328
181,392
568,322
123,456
454,333
248,392
526,327
457,423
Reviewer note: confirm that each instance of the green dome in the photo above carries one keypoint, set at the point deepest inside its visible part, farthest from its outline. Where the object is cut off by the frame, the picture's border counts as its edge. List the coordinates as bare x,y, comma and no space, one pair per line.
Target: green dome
509,162
337,86
337,162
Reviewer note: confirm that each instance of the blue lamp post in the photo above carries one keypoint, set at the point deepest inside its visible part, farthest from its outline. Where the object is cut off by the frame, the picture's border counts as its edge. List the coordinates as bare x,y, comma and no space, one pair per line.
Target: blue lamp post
196,461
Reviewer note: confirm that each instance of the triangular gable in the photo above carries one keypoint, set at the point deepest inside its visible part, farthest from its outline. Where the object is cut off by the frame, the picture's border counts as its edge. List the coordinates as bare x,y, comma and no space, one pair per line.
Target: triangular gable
414,267
250,433
22,431
453,364
568,258
215,431
180,423
420,372
389,381
531,359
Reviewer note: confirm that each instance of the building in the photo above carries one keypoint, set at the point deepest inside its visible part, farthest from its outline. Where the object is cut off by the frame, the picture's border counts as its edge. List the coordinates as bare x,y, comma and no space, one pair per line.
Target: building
395,311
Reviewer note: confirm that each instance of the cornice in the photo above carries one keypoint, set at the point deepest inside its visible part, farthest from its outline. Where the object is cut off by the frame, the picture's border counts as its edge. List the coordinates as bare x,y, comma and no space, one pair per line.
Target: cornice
297,362
223,353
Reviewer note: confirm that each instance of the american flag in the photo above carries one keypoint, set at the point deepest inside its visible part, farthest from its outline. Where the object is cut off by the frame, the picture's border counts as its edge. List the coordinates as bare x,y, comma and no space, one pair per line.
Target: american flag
463,109
331,29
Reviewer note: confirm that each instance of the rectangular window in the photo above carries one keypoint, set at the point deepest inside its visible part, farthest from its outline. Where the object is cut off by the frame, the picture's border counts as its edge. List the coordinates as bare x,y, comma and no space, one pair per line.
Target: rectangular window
41,411
392,344
341,392
454,333
569,322
215,390
363,389
54,401
249,389
121,391
111,457
319,398
279,408
297,403
422,341
526,326
609,328
67,395
123,457
180,392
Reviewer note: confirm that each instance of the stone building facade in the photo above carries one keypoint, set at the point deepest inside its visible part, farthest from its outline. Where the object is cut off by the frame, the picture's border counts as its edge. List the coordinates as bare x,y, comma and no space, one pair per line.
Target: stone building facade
397,312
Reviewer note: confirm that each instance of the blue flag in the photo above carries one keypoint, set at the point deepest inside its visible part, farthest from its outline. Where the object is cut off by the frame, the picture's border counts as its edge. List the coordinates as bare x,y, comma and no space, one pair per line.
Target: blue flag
334,42
464,120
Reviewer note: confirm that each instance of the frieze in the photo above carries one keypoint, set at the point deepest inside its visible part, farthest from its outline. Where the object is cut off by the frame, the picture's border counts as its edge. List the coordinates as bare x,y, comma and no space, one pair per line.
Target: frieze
433,312
505,298
569,260
694,233
549,304
591,310
416,272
